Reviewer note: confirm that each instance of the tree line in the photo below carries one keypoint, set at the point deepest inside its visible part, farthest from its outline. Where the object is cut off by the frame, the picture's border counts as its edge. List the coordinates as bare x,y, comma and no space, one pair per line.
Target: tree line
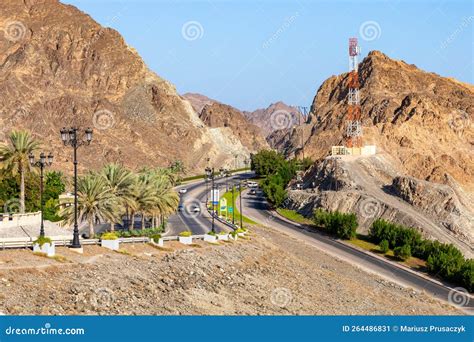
108,195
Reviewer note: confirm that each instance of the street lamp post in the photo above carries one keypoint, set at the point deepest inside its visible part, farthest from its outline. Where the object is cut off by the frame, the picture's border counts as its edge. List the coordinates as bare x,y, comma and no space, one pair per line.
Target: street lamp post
70,137
233,205
41,163
240,204
210,174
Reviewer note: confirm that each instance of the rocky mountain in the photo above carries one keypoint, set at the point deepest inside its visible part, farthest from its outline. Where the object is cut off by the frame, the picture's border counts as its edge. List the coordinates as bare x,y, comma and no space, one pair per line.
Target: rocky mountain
421,119
58,67
277,116
423,173
218,115
198,101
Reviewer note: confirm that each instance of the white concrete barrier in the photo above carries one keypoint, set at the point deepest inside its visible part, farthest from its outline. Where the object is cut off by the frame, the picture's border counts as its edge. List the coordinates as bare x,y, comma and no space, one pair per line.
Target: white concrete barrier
16,220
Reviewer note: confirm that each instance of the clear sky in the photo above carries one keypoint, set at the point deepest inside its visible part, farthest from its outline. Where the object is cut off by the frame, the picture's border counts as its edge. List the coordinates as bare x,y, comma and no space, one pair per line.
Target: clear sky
252,53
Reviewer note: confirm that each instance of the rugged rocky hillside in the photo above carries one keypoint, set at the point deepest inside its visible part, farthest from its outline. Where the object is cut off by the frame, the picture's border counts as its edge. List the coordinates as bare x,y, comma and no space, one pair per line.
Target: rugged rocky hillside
58,67
221,115
421,119
372,187
277,116
198,101
423,173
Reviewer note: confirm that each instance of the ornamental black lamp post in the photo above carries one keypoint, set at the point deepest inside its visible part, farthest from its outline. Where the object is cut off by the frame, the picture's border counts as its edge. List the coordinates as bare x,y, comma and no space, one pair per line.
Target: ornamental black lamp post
210,174
233,205
70,138
41,163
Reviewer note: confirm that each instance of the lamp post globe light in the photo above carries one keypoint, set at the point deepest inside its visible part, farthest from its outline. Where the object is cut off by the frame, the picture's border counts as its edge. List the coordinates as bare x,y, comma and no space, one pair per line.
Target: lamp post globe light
42,162
70,137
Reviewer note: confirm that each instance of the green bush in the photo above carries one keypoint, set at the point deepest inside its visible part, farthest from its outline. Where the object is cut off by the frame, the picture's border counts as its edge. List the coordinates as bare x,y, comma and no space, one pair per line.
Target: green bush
466,275
109,236
186,233
384,247
343,226
321,218
403,252
41,240
156,238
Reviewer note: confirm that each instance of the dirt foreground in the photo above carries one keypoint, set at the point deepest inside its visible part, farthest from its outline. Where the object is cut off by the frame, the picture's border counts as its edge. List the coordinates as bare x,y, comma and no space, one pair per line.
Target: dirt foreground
268,273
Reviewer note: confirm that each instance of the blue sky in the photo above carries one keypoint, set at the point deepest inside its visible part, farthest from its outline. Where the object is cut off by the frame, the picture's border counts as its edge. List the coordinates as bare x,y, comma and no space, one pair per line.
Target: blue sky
252,53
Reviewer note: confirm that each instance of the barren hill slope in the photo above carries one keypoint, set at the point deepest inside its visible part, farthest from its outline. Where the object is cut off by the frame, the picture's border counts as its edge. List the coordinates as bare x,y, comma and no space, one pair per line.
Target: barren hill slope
58,67
221,115
277,116
421,119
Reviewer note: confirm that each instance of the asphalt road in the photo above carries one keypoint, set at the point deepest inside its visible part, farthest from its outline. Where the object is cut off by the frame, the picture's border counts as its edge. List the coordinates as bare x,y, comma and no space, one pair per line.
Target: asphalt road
199,223
257,208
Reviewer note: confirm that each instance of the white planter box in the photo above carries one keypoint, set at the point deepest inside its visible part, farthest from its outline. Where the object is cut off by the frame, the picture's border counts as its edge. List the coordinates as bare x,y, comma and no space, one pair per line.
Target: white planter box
223,237
160,242
234,237
111,244
241,234
210,238
185,240
46,248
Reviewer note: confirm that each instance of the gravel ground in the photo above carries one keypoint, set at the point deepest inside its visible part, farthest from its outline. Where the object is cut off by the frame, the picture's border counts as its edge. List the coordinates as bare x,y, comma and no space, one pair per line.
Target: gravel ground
269,273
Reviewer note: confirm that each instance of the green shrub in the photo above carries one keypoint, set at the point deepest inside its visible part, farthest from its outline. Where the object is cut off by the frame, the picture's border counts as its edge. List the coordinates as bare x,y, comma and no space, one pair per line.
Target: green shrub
109,236
384,247
156,238
321,218
41,240
240,230
466,275
186,233
211,233
223,233
403,252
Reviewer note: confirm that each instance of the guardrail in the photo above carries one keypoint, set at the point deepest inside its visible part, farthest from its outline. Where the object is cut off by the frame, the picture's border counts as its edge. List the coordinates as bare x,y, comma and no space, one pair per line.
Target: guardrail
28,242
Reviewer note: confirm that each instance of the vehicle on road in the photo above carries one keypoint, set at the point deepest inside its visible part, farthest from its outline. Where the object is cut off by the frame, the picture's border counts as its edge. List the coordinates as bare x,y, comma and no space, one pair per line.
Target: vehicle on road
253,192
183,191
252,184
196,210
180,207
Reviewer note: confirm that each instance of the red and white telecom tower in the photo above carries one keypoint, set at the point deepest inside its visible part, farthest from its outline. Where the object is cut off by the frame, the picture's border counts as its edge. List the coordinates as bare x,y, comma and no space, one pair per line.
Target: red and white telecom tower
353,121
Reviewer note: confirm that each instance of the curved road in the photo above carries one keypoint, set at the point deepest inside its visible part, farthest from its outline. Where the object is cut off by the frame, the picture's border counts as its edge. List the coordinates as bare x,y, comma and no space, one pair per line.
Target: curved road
257,208
198,223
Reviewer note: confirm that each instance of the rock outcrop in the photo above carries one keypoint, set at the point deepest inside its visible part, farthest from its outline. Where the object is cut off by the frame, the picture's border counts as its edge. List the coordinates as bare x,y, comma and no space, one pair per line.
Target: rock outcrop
221,115
277,116
58,67
421,119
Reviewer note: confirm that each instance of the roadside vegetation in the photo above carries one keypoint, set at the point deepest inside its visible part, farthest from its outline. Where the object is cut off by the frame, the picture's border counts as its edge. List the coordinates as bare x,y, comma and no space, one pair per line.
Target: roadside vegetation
396,242
228,197
277,172
19,182
443,260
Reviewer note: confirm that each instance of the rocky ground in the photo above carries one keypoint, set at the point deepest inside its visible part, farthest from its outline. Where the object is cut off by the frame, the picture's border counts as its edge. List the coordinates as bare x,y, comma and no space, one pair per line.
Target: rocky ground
269,273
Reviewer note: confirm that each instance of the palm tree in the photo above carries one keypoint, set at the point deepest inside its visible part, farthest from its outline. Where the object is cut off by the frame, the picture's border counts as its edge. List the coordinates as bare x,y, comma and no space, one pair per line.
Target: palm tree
96,202
166,199
121,183
14,158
